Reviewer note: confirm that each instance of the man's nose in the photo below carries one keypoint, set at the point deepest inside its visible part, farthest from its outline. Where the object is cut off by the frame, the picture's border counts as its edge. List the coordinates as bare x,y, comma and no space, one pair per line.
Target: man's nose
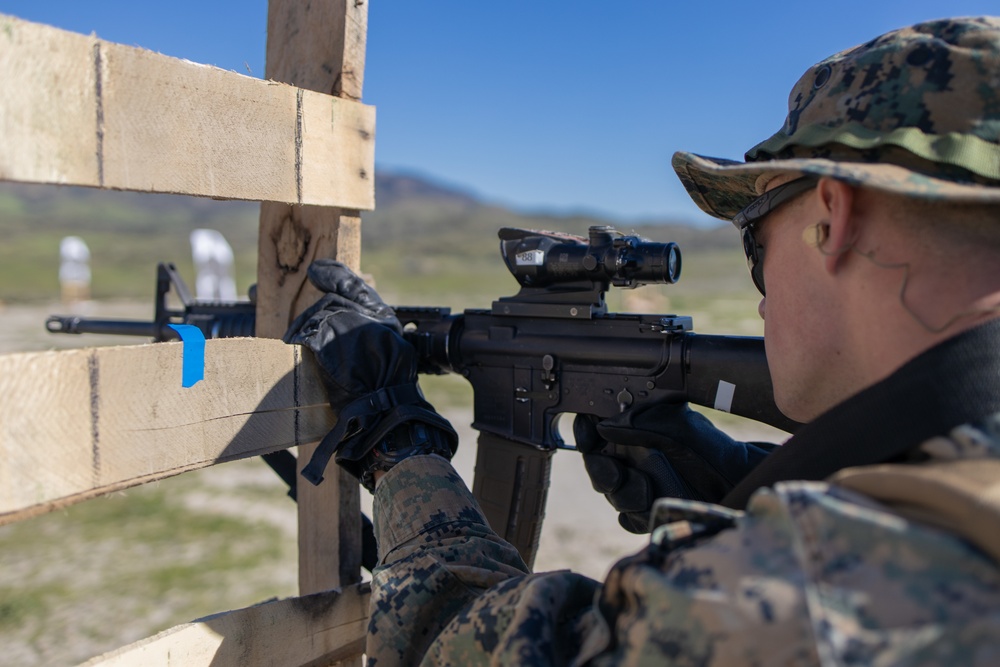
760,308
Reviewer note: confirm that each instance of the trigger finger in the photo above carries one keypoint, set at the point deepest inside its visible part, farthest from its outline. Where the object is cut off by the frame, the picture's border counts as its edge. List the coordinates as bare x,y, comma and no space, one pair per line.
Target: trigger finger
588,440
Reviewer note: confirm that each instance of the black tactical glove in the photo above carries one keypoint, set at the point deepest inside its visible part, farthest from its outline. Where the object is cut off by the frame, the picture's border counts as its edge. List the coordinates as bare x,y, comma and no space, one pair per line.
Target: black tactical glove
657,451
370,374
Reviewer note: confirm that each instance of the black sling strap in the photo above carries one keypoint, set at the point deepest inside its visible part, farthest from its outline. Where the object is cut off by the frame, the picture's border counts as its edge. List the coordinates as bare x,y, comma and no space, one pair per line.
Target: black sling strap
951,384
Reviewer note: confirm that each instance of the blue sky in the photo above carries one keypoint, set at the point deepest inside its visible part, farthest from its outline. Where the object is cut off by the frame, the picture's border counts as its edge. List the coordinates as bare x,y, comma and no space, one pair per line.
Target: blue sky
551,105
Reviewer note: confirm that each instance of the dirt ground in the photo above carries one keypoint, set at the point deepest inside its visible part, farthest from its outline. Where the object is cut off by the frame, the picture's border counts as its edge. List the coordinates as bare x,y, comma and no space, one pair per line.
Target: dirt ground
580,532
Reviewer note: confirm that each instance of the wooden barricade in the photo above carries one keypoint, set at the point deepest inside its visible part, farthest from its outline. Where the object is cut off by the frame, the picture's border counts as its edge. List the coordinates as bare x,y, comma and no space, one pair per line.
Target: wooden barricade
77,424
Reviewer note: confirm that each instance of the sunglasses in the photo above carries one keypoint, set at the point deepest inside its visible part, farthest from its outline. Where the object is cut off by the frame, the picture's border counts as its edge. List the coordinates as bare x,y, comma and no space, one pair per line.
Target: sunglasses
748,219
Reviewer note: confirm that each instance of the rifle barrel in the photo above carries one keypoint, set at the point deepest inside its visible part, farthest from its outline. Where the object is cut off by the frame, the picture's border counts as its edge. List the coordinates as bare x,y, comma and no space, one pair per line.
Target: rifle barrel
72,324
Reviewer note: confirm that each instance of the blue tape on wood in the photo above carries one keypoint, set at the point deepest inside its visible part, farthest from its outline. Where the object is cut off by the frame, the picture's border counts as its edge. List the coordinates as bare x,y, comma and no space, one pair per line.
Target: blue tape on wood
193,353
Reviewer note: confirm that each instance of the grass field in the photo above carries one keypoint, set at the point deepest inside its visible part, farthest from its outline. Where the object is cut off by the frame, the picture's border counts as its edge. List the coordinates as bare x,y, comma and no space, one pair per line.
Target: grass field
82,581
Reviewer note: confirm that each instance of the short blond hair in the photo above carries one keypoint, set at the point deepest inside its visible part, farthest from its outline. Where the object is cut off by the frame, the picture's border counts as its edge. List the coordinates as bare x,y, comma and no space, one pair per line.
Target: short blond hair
957,224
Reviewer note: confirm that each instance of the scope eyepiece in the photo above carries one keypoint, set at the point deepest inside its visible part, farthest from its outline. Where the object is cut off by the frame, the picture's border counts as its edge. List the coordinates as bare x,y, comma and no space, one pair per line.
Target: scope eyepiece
608,257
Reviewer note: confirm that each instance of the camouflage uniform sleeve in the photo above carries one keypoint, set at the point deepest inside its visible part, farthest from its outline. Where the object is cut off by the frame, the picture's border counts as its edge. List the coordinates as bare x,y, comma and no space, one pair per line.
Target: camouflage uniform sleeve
714,587
437,554
449,591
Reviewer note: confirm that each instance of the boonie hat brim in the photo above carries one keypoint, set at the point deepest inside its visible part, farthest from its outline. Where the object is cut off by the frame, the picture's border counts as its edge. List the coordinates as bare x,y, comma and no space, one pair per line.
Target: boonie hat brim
722,188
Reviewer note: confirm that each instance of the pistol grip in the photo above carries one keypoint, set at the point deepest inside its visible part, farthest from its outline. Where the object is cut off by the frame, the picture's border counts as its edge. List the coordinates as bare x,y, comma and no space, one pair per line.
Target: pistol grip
511,485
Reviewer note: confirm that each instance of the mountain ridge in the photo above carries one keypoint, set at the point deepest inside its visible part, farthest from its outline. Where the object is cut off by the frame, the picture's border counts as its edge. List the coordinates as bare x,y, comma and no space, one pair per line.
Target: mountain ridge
417,218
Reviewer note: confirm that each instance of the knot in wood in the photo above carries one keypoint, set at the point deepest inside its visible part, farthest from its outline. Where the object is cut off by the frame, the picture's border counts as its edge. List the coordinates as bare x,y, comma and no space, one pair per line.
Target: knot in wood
291,241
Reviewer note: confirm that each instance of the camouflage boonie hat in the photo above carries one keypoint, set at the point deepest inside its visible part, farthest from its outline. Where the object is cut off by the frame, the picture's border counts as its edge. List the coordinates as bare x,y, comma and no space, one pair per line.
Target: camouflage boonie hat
913,112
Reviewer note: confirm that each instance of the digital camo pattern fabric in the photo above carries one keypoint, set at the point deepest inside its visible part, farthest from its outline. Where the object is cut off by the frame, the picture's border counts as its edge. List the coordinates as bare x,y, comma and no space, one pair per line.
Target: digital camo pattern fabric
811,574
915,111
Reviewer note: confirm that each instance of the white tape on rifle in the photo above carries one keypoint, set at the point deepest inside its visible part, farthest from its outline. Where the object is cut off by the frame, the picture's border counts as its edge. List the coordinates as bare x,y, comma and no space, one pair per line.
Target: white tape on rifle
724,396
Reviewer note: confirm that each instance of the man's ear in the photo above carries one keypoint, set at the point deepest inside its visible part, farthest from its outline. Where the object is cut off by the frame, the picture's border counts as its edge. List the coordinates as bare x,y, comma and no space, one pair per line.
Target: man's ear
837,203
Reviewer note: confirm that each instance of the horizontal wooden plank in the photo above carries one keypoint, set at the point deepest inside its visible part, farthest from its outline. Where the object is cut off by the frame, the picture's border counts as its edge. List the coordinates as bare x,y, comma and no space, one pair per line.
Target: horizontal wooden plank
317,629
75,424
78,110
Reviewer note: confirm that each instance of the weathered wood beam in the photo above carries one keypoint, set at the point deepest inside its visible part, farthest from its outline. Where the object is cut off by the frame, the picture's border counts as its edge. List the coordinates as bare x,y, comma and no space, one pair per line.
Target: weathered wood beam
319,46
76,424
317,629
78,110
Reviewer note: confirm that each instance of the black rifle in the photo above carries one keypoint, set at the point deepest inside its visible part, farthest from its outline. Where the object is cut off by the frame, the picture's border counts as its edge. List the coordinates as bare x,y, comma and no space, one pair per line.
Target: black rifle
215,319
552,348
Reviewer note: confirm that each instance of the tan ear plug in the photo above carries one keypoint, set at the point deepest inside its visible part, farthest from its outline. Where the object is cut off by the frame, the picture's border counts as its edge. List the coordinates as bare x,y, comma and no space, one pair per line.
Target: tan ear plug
815,235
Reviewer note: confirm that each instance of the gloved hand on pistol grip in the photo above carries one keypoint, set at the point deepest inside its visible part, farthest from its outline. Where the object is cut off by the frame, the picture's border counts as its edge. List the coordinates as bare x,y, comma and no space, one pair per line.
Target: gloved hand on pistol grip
661,450
370,375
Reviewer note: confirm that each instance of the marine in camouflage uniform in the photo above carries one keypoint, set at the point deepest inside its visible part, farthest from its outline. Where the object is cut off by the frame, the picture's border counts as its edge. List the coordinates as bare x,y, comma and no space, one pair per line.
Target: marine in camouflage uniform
870,538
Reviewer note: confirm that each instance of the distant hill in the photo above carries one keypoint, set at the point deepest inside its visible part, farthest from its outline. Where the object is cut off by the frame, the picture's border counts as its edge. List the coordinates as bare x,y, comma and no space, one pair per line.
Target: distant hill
392,189
427,213
417,219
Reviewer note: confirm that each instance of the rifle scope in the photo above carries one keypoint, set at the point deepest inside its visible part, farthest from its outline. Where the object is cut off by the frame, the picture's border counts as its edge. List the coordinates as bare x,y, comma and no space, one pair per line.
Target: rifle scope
544,259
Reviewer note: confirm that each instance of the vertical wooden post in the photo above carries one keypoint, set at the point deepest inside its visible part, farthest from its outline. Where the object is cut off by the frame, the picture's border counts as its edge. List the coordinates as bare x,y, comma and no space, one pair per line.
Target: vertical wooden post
320,46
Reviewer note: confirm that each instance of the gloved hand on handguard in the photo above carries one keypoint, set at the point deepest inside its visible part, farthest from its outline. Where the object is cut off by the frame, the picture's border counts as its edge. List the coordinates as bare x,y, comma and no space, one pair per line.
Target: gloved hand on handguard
657,451
370,375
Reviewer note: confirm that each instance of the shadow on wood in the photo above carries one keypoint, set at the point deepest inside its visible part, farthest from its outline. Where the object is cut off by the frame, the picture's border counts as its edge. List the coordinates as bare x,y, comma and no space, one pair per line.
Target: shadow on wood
312,630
